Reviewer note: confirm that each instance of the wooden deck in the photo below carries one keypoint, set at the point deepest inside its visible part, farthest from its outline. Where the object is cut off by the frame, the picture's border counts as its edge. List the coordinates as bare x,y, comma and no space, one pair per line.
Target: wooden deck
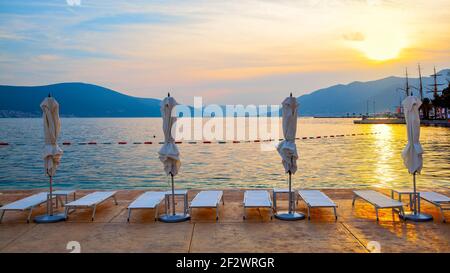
355,231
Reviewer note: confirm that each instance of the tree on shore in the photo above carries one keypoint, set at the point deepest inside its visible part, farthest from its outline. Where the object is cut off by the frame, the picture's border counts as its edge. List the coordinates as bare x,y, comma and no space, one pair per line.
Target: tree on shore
426,108
445,98
437,105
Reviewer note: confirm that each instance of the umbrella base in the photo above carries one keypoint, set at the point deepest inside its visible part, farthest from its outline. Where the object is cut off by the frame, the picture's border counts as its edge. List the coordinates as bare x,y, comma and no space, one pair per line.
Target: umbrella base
42,219
170,218
419,217
293,216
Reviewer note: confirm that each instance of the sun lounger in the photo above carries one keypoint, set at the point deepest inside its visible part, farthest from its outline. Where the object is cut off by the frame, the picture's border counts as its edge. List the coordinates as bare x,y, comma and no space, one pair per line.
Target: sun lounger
317,199
147,200
378,200
257,199
207,199
438,200
90,201
27,203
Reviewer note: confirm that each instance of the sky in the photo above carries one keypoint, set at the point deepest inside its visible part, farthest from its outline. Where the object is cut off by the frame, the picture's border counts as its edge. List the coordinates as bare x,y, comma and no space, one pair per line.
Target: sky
227,52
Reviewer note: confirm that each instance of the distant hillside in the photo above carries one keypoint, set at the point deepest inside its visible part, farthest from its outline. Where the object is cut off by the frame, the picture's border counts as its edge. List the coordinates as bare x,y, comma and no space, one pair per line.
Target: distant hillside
87,100
352,98
76,99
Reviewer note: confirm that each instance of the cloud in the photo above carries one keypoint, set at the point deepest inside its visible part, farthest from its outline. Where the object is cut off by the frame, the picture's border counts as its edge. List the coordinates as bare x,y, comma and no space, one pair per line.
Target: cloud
47,57
5,35
26,8
73,2
125,19
354,36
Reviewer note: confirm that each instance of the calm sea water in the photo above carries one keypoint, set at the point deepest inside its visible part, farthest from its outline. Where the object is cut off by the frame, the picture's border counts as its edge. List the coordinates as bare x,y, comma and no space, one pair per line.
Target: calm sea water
369,160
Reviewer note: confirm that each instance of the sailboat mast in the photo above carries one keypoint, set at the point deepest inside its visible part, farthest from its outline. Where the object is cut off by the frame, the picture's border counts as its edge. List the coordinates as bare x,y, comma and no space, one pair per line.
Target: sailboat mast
407,84
420,82
435,83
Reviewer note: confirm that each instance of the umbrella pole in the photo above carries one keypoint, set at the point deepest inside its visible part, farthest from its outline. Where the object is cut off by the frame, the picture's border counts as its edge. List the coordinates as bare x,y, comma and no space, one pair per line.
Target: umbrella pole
51,197
416,215
49,217
290,193
173,195
172,217
290,215
415,193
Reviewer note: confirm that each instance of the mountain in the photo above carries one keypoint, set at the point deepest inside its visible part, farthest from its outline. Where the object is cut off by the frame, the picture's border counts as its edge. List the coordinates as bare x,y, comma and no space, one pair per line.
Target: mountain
76,99
88,100
80,100
352,98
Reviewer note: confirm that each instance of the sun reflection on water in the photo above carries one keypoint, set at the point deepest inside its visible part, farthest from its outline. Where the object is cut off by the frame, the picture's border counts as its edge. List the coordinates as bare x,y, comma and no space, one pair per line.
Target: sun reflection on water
383,151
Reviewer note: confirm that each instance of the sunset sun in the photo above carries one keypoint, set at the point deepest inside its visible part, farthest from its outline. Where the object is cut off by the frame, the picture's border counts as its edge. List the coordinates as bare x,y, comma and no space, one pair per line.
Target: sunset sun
379,39
382,45
382,48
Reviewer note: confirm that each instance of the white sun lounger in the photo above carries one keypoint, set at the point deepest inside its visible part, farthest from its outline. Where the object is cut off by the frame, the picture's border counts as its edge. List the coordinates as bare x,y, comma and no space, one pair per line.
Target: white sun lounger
207,199
438,200
317,199
27,203
147,200
257,199
90,201
378,200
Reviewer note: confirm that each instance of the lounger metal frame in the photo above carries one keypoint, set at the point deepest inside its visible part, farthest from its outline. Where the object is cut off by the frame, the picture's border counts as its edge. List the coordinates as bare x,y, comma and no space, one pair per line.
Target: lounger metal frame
439,205
270,207
310,207
27,208
400,207
216,207
156,208
94,207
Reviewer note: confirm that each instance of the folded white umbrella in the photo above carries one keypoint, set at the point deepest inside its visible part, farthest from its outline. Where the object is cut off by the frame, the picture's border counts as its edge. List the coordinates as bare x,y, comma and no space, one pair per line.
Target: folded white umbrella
52,152
52,127
169,154
288,150
412,153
